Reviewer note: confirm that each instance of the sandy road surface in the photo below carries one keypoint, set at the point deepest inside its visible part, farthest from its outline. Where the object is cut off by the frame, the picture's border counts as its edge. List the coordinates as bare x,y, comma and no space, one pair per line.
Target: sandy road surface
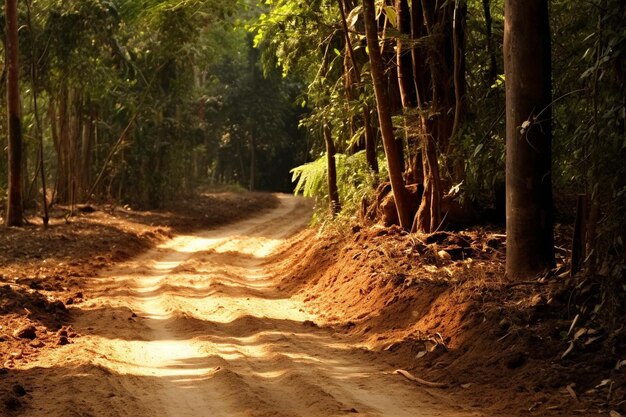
197,328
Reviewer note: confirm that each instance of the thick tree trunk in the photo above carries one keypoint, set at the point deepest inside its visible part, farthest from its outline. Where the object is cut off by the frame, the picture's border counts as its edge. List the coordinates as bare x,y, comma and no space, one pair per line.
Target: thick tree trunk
14,203
333,192
527,64
394,163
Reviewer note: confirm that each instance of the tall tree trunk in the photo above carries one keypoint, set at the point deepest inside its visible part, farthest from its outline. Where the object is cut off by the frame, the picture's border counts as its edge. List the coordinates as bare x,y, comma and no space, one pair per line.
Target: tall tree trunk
394,163
431,73
34,79
14,203
370,141
527,65
406,85
370,136
403,56
333,192
493,62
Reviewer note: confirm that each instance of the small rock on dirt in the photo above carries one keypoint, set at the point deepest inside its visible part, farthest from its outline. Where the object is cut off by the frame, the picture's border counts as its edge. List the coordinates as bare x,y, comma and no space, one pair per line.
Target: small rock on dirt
63,340
26,332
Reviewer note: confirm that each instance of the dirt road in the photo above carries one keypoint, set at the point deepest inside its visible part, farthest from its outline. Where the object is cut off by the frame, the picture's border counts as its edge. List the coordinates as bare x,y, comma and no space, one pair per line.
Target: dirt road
197,327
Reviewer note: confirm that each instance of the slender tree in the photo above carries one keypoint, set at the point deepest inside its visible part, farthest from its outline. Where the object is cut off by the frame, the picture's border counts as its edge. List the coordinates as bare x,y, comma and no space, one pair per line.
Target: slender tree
493,62
394,162
527,65
333,192
14,204
370,136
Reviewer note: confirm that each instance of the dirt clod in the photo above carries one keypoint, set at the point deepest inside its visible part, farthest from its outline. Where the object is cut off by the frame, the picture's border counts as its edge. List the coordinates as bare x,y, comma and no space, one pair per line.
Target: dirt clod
11,403
19,390
516,360
26,332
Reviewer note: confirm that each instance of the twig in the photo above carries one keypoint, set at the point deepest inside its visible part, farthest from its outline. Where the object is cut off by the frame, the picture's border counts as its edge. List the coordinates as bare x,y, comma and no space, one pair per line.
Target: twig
420,381
519,284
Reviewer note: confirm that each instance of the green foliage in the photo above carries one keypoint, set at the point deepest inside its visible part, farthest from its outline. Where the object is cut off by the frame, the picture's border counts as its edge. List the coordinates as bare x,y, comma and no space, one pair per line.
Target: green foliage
142,101
354,182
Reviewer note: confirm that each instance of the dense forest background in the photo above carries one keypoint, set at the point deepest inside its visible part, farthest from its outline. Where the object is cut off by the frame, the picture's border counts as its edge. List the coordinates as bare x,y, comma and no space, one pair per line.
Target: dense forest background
141,102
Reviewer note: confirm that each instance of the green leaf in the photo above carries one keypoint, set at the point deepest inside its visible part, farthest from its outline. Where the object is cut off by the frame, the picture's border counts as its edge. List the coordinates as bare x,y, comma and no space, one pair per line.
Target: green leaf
478,149
390,12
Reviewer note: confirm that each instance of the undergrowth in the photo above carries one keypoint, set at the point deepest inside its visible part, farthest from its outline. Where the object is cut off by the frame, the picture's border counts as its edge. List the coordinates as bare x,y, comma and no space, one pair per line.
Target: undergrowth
355,181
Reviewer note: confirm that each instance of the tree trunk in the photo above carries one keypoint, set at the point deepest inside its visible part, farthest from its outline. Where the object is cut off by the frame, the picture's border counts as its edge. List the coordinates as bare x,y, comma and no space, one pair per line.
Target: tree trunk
252,185
14,203
333,192
394,164
428,217
493,62
403,56
370,141
406,84
34,79
527,64
429,69
370,136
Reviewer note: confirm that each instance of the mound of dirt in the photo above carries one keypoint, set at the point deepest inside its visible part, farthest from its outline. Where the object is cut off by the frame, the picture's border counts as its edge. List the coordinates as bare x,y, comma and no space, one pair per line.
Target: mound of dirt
439,304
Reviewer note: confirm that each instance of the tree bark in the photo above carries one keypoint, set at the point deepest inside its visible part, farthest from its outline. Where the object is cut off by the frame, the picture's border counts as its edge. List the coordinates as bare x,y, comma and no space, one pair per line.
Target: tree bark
252,184
394,163
14,203
406,84
403,56
527,65
493,62
429,69
370,137
333,192
370,141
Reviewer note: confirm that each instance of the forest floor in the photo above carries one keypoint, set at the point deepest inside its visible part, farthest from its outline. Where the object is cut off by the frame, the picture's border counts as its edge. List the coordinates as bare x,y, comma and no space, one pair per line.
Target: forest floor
123,313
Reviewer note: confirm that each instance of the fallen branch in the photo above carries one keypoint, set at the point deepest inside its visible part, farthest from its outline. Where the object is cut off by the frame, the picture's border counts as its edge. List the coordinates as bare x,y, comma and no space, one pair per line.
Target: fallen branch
420,381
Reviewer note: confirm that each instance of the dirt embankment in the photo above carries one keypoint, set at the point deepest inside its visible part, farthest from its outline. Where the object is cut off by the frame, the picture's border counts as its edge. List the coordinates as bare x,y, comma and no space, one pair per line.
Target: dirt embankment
441,306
